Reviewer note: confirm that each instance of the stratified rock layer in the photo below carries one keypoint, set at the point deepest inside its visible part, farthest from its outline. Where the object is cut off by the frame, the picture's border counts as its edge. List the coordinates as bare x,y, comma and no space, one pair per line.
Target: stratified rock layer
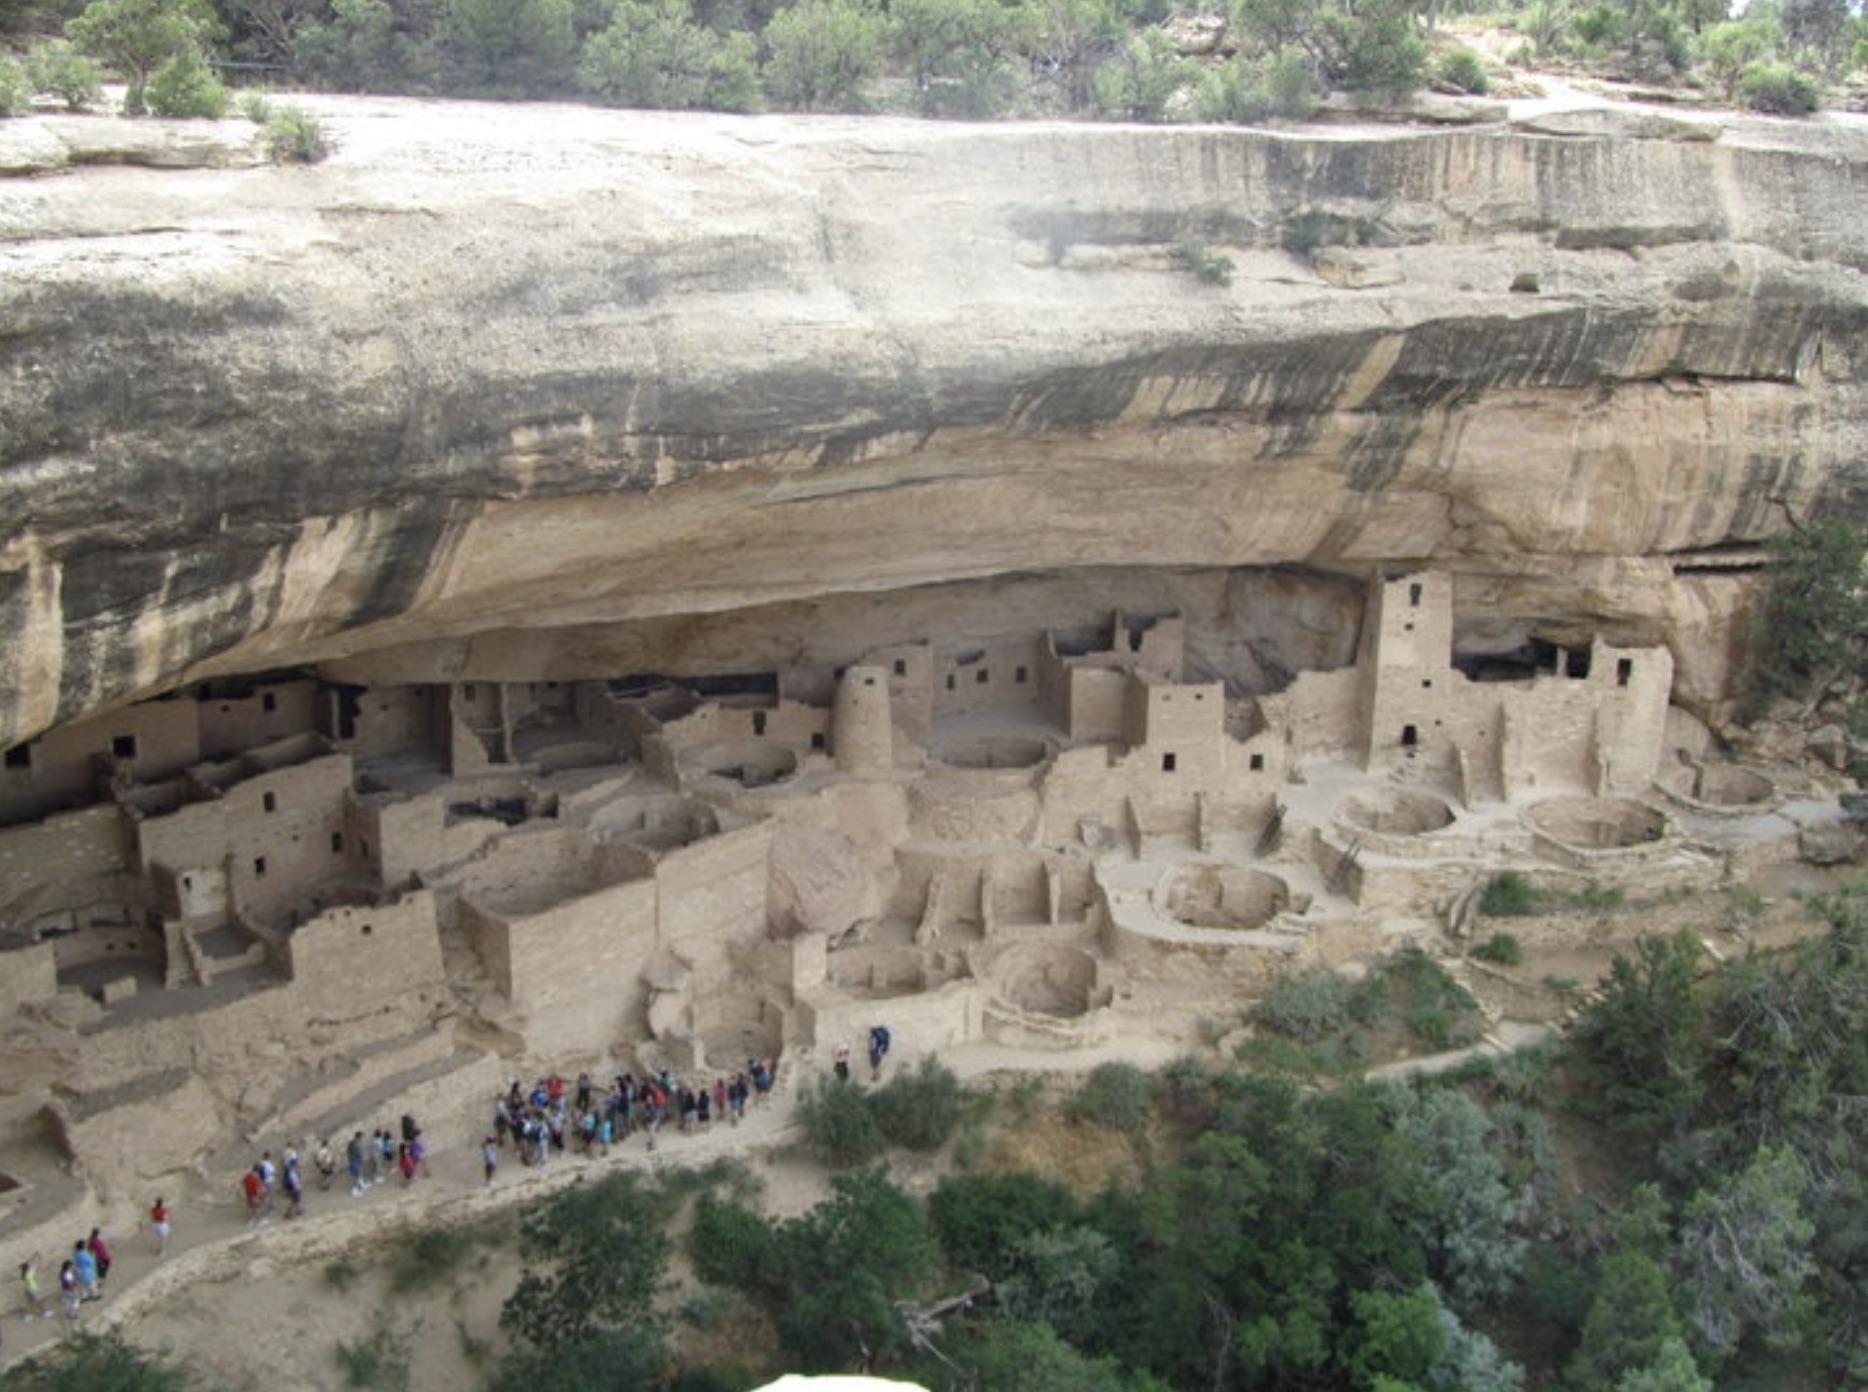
523,392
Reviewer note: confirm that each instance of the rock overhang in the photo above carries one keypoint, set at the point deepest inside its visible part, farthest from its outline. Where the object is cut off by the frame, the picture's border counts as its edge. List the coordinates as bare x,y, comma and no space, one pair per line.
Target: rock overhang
548,370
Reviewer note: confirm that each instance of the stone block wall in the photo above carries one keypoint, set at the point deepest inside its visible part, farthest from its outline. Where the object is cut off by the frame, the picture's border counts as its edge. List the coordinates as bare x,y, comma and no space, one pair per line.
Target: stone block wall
349,961
990,673
73,848
575,970
233,724
149,742
712,892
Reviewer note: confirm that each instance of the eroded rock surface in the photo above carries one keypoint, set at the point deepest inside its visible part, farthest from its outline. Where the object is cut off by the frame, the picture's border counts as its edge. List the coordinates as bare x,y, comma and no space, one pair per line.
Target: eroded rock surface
526,392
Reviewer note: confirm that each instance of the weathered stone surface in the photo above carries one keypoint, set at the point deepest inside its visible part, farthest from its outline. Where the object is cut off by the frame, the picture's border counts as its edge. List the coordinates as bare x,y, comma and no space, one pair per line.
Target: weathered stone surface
605,390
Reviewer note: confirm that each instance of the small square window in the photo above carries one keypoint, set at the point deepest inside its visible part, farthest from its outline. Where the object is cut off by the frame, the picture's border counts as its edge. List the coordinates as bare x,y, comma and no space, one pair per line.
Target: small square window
19,756
1426,683
1257,762
982,676
817,740
123,746
901,667
1168,761
469,694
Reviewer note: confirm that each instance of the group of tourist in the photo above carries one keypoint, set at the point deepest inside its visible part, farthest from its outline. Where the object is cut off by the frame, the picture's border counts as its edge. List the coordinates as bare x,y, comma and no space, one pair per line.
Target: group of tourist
372,1160
553,1116
81,1277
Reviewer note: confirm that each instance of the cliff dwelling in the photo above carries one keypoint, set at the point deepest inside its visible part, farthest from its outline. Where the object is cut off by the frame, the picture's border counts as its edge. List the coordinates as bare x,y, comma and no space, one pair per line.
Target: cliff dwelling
614,588
249,904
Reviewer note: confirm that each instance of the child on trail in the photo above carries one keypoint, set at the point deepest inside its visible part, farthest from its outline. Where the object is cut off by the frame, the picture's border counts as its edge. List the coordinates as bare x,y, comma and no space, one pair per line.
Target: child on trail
878,1050
159,1226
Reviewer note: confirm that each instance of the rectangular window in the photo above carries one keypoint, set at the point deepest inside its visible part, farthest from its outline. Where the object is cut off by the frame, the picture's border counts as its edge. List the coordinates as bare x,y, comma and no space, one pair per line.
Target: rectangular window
1409,736
901,667
1021,675
1413,596
337,843
269,703
1624,671
123,746
1258,763
1167,763
19,756
980,676
259,867
269,802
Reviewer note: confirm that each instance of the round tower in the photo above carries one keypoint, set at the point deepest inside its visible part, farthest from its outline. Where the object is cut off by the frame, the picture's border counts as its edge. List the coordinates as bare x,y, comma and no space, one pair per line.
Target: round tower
862,734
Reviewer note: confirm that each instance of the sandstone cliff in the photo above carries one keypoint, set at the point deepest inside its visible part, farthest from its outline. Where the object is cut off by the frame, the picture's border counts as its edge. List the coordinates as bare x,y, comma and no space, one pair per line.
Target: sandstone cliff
529,392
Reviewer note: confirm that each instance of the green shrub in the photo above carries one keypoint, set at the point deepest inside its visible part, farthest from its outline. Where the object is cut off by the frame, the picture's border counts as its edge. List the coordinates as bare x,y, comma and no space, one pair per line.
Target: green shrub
60,71
735,1247
1138,82
379,1361
254,106
15,87
1306,1006
980,1219
1116,1095
341,1273
1510,895
1460,69
185,87
1501,950
295,136
840,1125
1311,228
88,1362
920,1108
1204,265
1429,1003
1779,89
428,1256
822,55
1244,90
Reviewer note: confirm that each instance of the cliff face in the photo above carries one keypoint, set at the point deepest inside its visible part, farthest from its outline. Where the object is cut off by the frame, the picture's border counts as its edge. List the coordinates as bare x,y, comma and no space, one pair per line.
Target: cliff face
517,392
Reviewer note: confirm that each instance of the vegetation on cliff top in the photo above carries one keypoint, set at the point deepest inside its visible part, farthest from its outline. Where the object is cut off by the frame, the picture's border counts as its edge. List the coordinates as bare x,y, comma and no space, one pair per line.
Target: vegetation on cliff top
1250,60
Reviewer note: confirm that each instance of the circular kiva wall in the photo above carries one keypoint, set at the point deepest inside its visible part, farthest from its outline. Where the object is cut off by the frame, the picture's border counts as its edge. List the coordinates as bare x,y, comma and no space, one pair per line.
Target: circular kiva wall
1051,979
1598,824
1221,896
749,763
993,752
1396,812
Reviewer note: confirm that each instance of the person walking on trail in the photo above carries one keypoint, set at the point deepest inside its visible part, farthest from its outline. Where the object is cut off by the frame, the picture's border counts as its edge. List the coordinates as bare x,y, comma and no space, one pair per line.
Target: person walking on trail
841,1063
878,1050
29,1286
353,1158
68,1291
86,1266
100,1252
160,1226
489,1157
